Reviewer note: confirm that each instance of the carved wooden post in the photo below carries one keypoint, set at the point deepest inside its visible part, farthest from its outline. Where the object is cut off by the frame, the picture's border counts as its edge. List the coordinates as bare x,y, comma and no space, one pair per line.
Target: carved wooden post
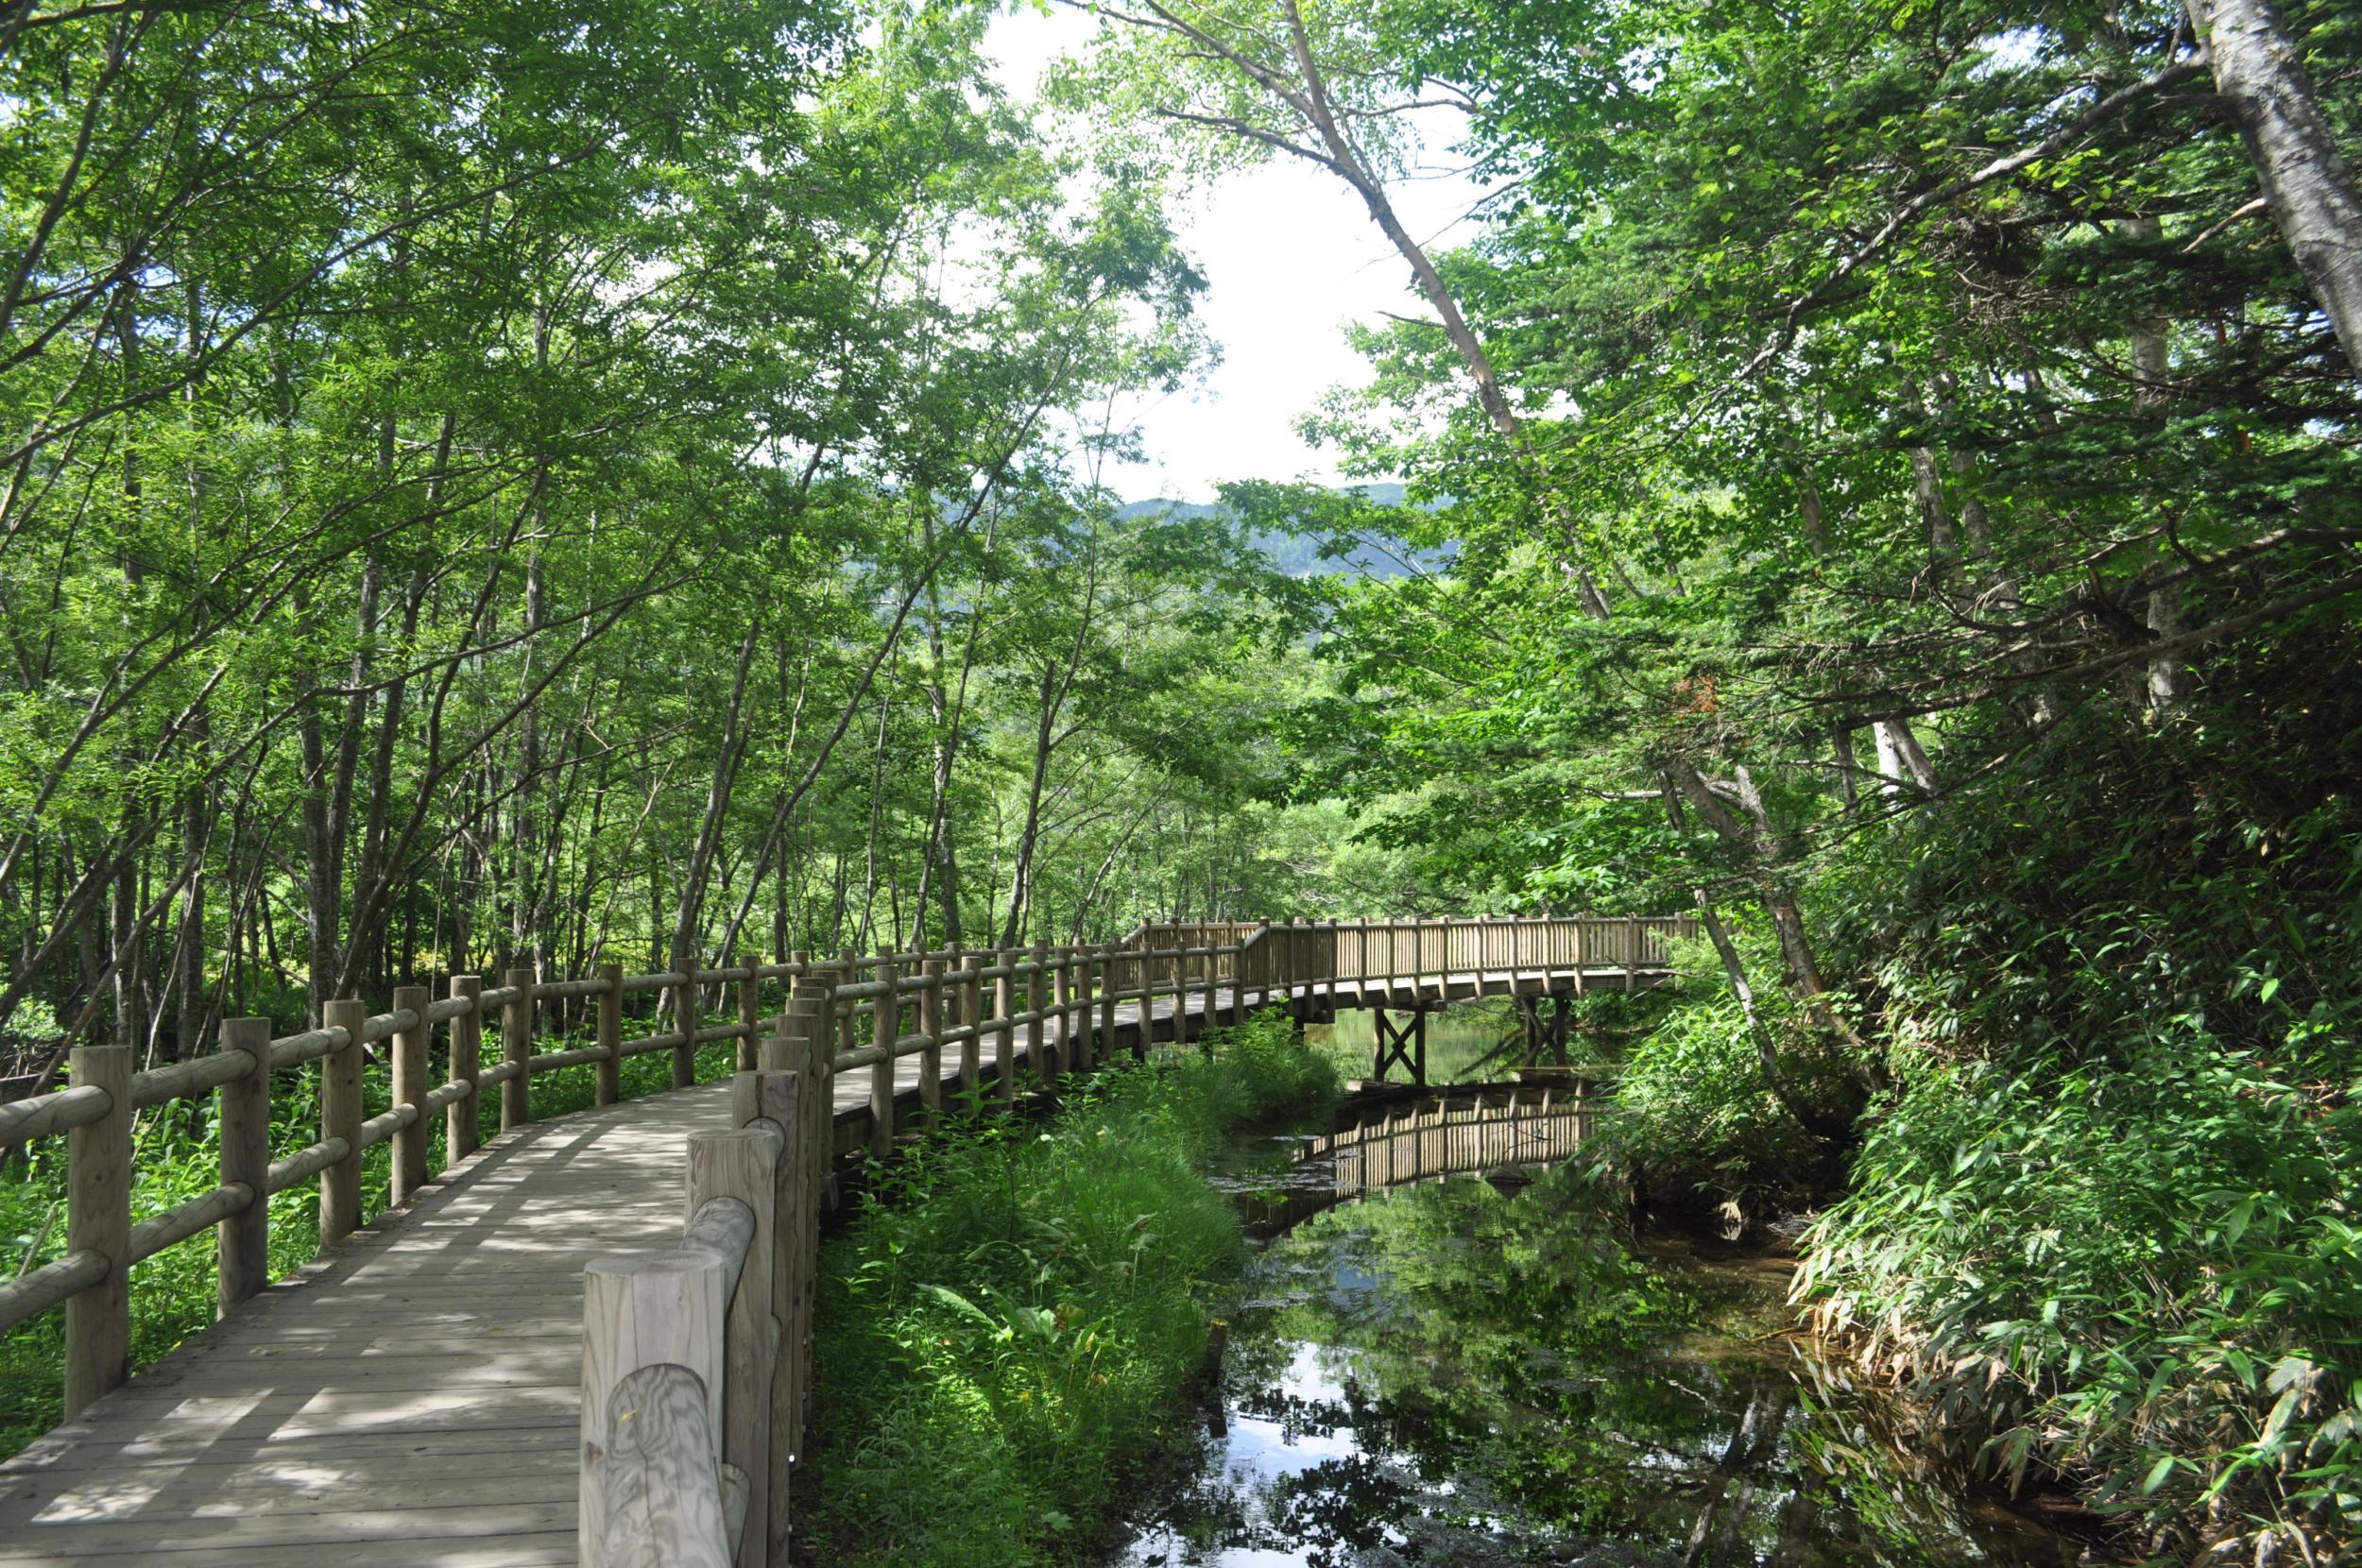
742,1166
409,1088
1004,1037
98,1219
242,1241
609,1070
931,1055
340,1118
462,1118
885,1026
639,1311
517,1050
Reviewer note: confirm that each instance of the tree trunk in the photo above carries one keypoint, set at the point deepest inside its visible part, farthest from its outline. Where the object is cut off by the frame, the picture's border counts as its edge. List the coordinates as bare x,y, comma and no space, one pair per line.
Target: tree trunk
1029,836
2261,76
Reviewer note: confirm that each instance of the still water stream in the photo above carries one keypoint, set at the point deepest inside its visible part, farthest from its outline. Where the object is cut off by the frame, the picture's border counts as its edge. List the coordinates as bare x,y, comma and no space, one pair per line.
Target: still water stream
1475,1373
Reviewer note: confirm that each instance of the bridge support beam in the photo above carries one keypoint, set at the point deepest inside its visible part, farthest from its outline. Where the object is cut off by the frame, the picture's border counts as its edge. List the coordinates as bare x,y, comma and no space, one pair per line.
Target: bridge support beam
1547,1021
1403,1044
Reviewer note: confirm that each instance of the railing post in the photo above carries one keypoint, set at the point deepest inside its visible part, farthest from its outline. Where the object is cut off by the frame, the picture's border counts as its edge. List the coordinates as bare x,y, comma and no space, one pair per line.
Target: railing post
931,1055
409,1088
1106,1036
1068,1052
790,1091
885,1028
98,1219
517,1050
608,1071
742,1164
1004,1036
1182,964
242,1241
1081,1023
972,1019
1036,997
642,1310
685,1025
463,1117
849,1034
1136,969
749,1020
340,1118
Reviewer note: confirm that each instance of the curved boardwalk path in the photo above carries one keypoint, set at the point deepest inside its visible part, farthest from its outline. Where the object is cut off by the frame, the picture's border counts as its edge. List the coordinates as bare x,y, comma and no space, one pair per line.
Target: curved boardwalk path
415,1392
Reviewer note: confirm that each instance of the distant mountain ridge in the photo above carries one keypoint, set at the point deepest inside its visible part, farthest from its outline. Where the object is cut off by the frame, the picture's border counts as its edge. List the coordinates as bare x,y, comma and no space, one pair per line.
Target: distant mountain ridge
1300,557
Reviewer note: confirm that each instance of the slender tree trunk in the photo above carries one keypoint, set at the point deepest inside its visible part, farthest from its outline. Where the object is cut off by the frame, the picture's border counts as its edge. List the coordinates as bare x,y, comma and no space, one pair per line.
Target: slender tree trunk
1029,835
189,1000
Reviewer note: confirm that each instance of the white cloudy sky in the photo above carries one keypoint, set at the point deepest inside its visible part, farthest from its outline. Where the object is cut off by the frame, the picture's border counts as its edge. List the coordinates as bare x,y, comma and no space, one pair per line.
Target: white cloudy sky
1291,257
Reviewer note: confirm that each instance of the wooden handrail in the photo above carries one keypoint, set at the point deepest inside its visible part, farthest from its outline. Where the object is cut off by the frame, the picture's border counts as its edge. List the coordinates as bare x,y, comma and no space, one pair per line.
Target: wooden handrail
977,1001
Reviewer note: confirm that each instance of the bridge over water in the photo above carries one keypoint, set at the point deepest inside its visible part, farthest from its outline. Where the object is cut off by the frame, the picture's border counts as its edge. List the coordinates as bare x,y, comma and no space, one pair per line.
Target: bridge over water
587,1339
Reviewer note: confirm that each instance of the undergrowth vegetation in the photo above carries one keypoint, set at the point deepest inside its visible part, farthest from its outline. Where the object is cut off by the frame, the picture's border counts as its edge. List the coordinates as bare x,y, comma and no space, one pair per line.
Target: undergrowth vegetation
2105,1210
1009,1325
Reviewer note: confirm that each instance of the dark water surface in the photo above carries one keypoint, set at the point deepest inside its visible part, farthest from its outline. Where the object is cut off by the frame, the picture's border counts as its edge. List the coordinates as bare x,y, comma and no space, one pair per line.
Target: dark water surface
1469,1376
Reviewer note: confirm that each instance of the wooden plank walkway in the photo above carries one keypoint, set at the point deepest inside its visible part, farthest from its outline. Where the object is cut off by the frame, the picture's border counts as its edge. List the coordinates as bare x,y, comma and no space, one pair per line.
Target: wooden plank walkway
415,1391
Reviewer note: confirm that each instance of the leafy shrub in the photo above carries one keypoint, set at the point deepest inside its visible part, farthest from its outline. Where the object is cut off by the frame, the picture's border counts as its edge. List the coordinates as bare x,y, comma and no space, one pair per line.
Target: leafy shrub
1694,1119
2112,1218
2152,1275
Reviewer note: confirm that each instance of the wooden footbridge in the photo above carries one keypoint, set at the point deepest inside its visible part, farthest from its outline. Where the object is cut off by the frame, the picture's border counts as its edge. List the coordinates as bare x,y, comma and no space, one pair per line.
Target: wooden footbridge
589,1338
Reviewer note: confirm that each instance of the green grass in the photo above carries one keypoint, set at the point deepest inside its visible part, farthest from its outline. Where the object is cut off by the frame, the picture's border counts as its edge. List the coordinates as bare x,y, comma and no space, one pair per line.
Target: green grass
176,1157
1008,1328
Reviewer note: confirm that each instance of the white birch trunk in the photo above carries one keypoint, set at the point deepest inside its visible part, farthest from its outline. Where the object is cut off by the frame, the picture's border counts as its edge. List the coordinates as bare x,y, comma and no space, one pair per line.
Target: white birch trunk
2261,76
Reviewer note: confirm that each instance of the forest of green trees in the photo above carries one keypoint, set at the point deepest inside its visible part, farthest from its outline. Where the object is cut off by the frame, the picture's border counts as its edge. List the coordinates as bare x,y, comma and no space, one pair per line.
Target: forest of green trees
529,484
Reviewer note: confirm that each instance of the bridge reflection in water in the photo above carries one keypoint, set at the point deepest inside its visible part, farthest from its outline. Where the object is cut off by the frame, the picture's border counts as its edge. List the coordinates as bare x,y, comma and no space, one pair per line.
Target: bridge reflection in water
1506,1133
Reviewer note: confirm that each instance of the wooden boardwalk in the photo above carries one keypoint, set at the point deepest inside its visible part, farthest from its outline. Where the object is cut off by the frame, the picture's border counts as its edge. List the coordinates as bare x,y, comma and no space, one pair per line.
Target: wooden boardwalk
415,1392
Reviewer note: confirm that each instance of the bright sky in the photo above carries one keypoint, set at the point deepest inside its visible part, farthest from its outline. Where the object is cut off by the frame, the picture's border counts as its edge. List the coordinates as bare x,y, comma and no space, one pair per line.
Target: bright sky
1291,256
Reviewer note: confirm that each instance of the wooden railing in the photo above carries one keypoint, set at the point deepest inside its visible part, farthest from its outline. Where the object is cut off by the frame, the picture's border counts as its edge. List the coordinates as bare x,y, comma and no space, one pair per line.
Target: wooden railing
695,1366
1056,1006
